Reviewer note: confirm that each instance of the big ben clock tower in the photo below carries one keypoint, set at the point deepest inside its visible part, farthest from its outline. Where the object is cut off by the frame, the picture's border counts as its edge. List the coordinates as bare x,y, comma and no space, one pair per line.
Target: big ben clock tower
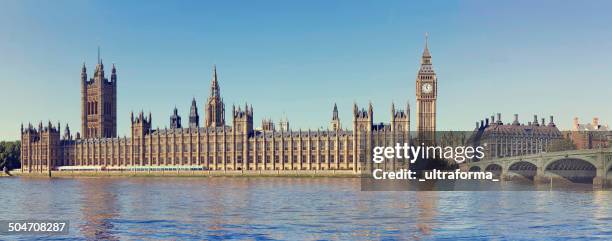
426,95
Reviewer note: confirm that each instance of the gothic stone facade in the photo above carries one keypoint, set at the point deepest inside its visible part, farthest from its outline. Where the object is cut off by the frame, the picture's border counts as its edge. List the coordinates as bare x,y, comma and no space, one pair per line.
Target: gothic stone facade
216,145
513,139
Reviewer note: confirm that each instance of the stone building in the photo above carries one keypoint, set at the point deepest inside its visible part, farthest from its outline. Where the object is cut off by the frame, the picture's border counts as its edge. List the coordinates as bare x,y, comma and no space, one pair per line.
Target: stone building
426,98
99,103
513,139
217,145
590,135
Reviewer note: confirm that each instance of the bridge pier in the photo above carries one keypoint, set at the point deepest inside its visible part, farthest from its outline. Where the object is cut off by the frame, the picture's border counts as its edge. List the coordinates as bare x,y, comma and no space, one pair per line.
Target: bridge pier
600,180
540,177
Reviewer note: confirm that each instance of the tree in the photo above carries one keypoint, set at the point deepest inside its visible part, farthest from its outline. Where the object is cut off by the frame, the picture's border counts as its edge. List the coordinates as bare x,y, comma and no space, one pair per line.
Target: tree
563,144
9,155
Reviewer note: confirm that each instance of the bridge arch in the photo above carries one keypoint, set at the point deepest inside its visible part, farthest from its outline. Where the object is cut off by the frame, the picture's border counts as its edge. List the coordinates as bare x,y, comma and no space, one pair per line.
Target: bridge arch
524,168
496,169
474,169
573,169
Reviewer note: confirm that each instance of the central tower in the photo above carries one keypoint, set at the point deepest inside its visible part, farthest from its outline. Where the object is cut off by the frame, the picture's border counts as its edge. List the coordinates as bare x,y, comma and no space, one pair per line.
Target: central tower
426,96
215,109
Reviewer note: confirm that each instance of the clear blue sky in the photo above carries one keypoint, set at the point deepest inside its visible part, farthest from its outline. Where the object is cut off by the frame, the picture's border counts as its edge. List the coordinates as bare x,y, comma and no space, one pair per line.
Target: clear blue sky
299,57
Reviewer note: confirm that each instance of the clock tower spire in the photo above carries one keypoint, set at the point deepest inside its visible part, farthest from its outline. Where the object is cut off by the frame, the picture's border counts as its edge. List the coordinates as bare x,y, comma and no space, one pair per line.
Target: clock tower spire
426,96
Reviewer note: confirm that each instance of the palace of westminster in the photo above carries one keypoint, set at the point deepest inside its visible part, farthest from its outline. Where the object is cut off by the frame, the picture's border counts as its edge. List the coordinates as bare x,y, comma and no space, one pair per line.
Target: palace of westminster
218,145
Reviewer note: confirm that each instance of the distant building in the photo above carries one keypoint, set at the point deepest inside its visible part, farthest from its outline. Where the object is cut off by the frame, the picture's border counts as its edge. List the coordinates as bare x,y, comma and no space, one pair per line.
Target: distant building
514,139
590,135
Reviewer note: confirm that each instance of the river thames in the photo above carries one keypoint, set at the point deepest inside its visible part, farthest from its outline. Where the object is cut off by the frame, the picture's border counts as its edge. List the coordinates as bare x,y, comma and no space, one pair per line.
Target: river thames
297,209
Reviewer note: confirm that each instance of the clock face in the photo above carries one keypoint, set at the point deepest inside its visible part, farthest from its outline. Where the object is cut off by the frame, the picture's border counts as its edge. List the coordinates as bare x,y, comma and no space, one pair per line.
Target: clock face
427,88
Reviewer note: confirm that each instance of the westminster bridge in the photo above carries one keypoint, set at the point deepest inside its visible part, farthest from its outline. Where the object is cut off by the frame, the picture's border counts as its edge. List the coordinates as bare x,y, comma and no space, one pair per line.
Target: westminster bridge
582,166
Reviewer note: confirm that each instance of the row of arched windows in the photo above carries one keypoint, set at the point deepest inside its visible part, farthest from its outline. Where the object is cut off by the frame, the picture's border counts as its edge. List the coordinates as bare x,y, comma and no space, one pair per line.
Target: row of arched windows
92,108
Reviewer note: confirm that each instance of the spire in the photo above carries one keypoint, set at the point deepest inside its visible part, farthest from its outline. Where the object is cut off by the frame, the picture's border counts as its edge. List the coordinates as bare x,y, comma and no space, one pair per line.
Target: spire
426,50
335,113
113,74
83,73
214,86
426,66
67,132
194,117
99,72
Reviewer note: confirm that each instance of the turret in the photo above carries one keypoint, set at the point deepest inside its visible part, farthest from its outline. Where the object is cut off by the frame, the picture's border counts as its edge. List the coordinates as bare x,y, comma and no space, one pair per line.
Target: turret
267,125
335,122
175,120
84,73
243,120
141,125
400,119
283,124
67,135
114,74
194,117
362,119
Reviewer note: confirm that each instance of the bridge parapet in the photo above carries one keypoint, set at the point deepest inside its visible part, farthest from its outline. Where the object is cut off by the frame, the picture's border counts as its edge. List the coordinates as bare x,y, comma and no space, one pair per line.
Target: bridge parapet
548,165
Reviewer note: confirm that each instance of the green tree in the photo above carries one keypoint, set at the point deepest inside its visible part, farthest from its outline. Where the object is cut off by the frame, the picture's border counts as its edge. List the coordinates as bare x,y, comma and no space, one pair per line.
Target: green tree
9,155
563,144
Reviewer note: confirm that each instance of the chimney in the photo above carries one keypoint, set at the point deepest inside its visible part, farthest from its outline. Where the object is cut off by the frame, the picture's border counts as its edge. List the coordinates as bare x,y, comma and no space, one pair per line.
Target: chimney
552,121
492,119
487,121
499,118
543,122
516,122
535,120
595,122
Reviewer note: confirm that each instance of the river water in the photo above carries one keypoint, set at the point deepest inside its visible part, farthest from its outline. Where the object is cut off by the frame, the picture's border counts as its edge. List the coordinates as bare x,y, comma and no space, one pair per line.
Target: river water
297,209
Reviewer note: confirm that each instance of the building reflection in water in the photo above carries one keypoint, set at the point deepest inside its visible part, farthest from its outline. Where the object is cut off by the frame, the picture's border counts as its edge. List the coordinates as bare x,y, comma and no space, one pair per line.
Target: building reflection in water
427,203
98,207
